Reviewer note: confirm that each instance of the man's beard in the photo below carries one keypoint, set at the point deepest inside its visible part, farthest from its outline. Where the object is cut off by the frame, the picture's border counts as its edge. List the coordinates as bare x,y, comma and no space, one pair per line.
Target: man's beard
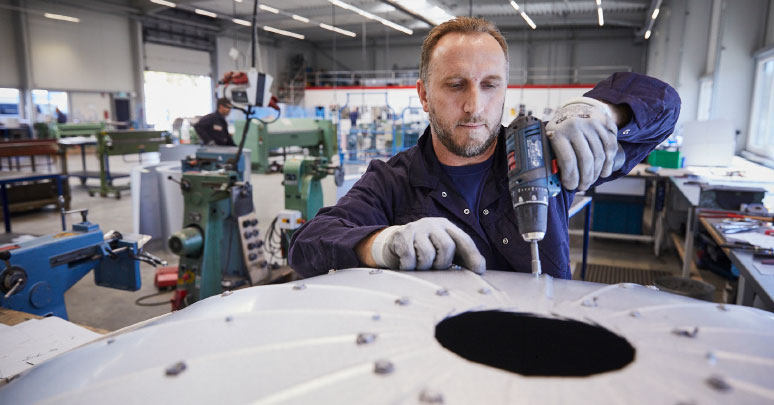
472,148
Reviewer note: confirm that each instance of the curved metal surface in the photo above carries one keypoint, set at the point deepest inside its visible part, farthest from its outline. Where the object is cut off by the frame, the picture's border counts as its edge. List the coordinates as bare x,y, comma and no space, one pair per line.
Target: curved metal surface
367,336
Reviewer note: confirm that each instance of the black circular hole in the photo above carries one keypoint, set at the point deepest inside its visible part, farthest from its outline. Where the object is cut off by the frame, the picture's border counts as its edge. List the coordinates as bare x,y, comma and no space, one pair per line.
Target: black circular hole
531,345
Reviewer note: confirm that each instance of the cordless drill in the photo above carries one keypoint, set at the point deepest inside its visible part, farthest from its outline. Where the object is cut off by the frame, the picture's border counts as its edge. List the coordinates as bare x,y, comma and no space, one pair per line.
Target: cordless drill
533,178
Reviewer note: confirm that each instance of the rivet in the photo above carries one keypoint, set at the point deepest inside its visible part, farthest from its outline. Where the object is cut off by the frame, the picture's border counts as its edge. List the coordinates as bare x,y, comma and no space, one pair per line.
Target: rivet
376,317
484,290
443,194
229,318
430,397
299,287
505,241
635,314
226,293
652,287
441,292
723,308
383,367
176,369
590,302
402,301
365,338
331,271
375,271
718,383
686,332
111,341
485,212
466,211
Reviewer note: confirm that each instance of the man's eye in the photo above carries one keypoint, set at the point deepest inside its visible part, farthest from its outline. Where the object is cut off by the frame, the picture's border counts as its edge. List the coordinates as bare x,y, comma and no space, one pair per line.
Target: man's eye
455,85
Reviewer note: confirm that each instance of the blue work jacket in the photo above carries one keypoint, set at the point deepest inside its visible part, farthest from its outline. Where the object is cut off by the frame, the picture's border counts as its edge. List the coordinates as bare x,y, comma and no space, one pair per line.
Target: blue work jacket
412,185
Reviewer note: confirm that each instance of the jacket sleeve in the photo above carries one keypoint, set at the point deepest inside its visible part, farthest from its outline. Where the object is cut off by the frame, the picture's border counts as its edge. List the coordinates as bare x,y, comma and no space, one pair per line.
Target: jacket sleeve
328,241
203,127
655,107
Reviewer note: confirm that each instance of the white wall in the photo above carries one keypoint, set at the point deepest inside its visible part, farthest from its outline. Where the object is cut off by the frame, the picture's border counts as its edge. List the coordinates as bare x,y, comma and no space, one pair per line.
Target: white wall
9,68
94,54
89,107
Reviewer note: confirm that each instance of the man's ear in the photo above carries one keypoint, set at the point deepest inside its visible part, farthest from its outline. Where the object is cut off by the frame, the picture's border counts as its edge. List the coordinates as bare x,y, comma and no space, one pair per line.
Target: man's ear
422,91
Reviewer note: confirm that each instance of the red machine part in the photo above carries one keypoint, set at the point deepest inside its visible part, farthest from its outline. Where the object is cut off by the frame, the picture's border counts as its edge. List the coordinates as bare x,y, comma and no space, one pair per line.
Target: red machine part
166,278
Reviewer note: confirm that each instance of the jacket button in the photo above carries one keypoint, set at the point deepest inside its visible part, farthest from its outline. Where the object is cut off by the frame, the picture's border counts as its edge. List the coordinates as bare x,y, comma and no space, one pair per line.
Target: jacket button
466,211
443,194
505,241
485,212
626,132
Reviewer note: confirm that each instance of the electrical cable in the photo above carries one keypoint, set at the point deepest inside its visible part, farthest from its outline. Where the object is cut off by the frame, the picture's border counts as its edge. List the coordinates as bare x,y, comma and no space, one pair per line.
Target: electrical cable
139,301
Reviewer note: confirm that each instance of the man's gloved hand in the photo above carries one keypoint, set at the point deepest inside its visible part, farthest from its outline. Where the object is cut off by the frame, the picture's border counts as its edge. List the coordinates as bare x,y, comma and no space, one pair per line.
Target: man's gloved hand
424,244
584,137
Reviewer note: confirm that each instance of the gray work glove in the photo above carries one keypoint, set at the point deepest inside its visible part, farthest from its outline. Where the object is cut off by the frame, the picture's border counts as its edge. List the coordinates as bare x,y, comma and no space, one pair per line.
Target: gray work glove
424,244
583,135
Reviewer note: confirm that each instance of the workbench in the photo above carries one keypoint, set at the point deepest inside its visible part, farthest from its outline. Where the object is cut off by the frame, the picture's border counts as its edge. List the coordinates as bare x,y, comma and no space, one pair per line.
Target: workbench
752,283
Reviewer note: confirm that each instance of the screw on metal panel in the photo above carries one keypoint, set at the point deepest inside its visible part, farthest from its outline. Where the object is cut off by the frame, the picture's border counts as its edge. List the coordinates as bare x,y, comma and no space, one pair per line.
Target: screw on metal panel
299,287
226,293
711,358
652,287
402,301
484,290
590,302
455,267
229,318
441,292
375,271
686,332
176,369
365,338
383,367
718,383
376,317
110,341
430,397
723,308
635,314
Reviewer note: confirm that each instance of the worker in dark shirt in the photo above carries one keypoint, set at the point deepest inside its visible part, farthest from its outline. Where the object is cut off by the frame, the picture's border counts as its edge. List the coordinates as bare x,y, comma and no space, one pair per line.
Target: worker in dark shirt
213,128
61,117
447,200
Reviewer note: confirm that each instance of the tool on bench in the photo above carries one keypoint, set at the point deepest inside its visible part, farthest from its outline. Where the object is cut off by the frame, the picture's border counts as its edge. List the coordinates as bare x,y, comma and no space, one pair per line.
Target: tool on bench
533,178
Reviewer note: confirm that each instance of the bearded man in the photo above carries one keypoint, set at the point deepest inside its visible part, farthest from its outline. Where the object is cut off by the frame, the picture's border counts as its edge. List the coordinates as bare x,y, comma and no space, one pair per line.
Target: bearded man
446,200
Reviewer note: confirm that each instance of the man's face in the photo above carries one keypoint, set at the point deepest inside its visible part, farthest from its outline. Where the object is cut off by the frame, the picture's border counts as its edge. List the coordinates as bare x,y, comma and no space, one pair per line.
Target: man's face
465,93
224,110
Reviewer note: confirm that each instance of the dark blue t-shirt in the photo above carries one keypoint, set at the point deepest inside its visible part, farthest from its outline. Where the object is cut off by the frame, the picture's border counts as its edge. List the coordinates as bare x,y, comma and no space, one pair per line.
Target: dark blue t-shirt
469,181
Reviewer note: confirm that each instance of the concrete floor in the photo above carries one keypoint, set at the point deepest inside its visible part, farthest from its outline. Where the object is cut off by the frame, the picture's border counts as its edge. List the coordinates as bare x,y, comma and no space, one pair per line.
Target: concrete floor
111,309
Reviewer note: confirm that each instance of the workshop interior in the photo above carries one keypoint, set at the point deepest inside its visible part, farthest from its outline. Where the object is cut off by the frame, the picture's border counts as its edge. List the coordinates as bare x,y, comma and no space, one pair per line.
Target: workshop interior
159,161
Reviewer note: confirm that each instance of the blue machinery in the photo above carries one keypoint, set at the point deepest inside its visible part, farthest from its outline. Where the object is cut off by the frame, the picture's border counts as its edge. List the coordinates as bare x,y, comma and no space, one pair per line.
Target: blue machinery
36,273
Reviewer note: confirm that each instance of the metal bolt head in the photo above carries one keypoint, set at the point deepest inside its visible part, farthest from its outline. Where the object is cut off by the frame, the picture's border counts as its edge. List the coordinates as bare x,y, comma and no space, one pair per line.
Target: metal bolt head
376,317
402,301
375,271
331,271
383,367
686,332
430,397
441,292
365,338
299,287
111,341
718,383
484,290
635,314
176,369
226,293
229,318
590,302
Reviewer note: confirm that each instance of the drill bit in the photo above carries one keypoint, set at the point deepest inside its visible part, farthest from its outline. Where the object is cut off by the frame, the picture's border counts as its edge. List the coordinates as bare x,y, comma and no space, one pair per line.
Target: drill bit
536,268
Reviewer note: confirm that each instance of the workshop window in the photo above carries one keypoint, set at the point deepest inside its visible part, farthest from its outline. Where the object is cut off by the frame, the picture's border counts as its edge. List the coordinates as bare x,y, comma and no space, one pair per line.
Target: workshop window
9,103
761,137
46,102
169,96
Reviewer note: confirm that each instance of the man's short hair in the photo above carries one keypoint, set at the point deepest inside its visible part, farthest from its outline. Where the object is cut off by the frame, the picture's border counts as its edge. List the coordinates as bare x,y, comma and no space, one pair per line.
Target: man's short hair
223,101
462,25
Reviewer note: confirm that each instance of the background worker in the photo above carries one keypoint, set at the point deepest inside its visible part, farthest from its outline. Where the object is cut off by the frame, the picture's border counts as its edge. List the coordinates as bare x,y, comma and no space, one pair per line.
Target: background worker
447,199
213,128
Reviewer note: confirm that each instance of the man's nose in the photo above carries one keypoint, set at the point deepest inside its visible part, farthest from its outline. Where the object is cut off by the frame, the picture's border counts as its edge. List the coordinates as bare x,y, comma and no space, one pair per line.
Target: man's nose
473,101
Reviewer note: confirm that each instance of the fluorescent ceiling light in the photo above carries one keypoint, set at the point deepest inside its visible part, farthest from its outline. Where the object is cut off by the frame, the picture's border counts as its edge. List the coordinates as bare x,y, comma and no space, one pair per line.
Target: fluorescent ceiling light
61,17
370,16
655,14
238,1
599,3
299,18
269,9
206,13
283,32
431,12
164,3
339,30
523,15
242,22
647,34
601,18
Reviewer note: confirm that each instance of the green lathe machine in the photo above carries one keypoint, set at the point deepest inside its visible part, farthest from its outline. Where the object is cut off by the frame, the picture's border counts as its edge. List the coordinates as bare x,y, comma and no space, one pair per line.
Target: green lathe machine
78,129
316,135
123,142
